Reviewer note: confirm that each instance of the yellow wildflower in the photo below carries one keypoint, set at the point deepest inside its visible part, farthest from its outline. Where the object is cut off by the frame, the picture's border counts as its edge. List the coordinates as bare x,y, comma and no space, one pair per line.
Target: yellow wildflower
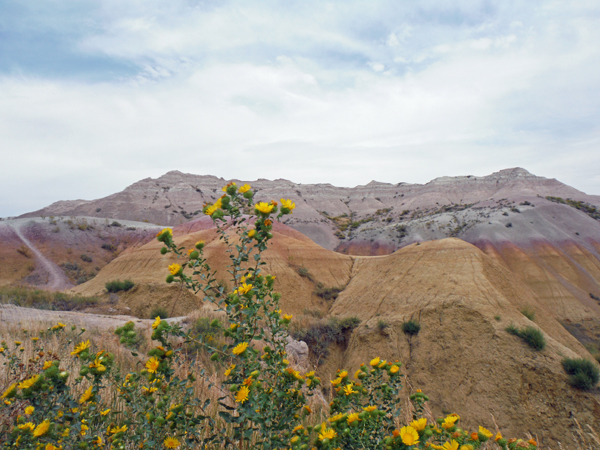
58,326
466,447
224,188
452,445
80,348
10,391
29,410
394,369
294,439
26,384
297,428
42,428
242,395
47,365
287,316
97,364
419,424
171,442
487,433
348,389
115,430
166,231
352,418
243,289
449,421
240,348
336,417
409,435
343,374
156,322
27,426
370,408
34,339
152,364
97,441
264,208
336,381
86,395
326,433
228,371
287,204
243,189
375,361
105,412
498,437
174,268
51,447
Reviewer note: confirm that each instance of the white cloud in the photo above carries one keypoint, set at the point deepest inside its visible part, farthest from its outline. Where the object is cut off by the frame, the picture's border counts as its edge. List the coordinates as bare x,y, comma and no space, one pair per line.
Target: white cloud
311,93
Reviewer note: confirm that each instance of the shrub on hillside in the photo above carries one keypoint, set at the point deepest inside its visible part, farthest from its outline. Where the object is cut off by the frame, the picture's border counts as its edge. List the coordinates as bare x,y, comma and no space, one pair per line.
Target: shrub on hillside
118,285
159,311
327,293
321,334
583,373
411,327
530,335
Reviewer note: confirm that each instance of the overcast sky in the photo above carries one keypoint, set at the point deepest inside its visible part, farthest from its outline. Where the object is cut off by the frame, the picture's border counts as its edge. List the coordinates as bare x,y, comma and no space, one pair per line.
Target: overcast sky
97,95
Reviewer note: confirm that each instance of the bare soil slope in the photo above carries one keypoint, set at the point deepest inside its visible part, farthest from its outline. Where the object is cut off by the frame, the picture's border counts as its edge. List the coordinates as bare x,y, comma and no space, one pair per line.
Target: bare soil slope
290,251
463,356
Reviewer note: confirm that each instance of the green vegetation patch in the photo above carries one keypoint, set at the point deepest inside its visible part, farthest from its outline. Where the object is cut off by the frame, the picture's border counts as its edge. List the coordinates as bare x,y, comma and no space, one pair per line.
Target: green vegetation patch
323,333
583,373
530,335
39,299
590,210
118,285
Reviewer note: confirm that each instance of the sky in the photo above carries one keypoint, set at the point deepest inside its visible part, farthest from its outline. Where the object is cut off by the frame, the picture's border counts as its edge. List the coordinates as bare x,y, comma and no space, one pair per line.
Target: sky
95,96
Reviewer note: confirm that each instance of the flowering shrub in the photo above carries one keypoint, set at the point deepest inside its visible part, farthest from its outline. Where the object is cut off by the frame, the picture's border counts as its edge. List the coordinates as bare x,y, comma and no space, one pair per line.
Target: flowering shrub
263,400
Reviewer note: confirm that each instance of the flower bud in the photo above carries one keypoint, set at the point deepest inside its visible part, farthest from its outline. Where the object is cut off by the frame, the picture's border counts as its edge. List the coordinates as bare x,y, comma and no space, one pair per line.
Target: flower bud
164,250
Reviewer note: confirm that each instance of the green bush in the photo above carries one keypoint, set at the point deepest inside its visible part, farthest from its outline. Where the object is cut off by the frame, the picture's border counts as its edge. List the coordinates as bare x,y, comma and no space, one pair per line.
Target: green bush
327,293
304,272
321,334
382,326
159,311
528,312
411,327
118,285
531,335
584,374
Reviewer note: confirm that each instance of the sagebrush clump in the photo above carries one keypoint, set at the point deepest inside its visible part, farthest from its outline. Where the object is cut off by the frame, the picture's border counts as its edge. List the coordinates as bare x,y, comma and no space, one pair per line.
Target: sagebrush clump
86,402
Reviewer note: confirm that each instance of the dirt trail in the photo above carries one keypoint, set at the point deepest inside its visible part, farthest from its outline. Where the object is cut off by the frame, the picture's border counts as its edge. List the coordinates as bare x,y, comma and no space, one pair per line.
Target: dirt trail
57,280
17,314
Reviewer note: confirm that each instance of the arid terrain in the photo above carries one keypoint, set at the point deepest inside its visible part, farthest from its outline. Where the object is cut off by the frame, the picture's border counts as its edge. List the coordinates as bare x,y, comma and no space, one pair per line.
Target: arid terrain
465,257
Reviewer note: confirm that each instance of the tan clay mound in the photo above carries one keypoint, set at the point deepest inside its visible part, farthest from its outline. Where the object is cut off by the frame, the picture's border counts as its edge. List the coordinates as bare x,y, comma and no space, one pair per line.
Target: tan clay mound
462,356
285,258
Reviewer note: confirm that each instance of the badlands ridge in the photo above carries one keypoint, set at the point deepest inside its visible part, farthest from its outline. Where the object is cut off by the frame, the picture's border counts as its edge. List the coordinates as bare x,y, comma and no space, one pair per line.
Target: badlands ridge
462,256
